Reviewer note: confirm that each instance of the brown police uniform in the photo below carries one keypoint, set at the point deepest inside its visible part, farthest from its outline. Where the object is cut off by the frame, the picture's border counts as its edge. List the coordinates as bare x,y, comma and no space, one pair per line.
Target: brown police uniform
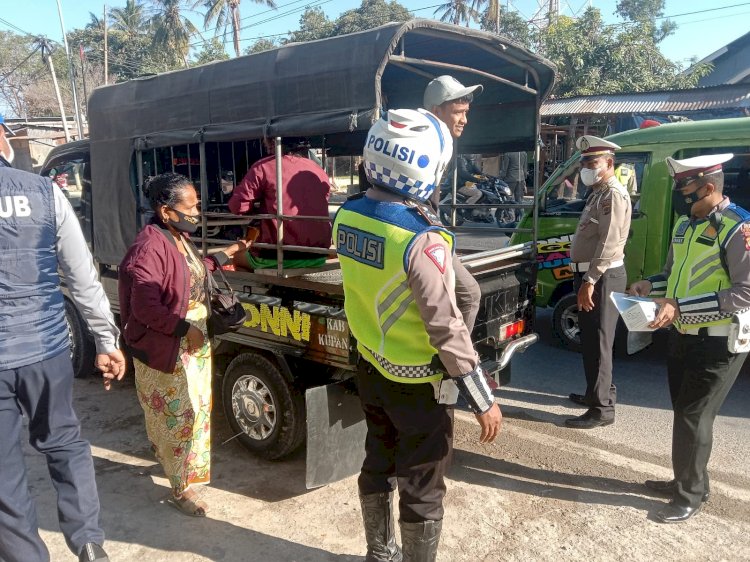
700,368
407,428
597,253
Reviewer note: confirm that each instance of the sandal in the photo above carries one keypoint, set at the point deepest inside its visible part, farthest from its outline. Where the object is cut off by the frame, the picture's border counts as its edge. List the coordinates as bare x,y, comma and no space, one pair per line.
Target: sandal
192,506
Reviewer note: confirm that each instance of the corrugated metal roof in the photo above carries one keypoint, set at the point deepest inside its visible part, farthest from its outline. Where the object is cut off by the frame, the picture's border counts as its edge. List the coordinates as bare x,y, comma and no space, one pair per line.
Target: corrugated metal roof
713,97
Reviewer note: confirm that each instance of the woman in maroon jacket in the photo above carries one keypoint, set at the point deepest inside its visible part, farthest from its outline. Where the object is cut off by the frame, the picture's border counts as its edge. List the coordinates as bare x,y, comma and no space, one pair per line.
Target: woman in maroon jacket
162,282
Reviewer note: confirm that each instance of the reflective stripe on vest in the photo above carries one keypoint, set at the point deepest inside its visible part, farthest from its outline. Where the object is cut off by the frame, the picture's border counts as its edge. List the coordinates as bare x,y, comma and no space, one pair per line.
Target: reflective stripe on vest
697,266
373,240
32,317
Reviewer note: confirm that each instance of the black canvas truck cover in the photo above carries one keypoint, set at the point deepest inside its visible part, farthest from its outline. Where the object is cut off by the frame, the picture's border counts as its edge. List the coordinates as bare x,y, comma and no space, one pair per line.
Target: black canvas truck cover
332,87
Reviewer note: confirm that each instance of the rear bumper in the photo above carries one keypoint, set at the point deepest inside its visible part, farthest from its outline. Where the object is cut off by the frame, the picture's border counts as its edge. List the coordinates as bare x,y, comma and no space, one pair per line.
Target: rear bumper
516,346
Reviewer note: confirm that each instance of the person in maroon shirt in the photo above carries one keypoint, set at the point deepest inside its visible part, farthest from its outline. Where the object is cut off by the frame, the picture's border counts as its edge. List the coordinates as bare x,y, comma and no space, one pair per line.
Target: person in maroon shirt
305,189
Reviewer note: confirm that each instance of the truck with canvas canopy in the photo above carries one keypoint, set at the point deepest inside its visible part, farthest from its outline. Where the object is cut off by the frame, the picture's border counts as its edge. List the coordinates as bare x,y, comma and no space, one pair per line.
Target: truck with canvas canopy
285,372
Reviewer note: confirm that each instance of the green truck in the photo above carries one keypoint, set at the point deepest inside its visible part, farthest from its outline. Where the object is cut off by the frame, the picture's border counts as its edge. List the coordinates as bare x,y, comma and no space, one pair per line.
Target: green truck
562,197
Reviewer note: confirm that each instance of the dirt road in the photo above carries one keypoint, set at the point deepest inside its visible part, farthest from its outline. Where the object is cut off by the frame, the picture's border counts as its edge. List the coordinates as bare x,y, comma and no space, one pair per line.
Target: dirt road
542,492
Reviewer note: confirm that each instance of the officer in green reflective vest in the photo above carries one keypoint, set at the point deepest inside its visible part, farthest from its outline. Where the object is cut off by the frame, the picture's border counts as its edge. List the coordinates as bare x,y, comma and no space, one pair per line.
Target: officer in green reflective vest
706,280
399,289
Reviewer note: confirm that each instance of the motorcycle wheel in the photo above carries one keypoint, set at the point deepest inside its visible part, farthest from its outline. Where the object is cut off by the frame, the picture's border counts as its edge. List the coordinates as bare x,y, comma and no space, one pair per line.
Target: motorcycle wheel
505,216
445,217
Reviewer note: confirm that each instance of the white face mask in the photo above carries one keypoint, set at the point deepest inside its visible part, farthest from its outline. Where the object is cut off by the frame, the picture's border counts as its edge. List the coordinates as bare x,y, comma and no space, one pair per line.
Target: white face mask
591,176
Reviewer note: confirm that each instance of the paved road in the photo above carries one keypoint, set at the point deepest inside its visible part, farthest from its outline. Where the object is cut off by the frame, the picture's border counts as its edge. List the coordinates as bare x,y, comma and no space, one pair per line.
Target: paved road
541,492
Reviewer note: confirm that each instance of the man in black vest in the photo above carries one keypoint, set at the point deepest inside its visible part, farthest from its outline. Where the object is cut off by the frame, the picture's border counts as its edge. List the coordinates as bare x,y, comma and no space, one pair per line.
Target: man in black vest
39,234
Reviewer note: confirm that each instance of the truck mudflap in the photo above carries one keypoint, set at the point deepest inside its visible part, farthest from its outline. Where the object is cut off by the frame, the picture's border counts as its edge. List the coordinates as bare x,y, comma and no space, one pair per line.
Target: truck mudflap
336,432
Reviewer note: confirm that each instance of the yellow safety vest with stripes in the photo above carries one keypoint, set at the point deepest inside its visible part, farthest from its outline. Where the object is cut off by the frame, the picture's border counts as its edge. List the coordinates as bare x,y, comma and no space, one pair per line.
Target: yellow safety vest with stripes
697,261
373,240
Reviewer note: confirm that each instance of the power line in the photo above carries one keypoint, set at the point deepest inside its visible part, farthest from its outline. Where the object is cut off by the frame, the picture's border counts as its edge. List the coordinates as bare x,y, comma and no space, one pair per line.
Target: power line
712,19
15,27
19,65
704,11
316,3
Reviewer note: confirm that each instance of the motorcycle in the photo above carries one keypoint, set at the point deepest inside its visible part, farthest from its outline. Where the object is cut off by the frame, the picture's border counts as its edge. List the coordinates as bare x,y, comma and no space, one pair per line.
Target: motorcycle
494,191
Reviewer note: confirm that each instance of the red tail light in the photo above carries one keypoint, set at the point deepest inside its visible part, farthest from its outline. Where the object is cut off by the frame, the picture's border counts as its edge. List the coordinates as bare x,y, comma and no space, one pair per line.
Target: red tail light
507,331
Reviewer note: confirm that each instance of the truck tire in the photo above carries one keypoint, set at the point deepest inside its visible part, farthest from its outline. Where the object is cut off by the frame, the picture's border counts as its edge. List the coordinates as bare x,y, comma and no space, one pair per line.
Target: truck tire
82,348
565,322
262,407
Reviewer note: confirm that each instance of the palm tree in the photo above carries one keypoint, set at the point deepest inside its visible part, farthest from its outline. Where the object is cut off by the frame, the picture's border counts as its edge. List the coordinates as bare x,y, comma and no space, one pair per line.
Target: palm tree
225,11
95,22
172,30
457,11
493,12
131,19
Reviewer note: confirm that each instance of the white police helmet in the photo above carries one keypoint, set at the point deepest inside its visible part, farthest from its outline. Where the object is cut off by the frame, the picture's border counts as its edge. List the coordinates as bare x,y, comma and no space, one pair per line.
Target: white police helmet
407,152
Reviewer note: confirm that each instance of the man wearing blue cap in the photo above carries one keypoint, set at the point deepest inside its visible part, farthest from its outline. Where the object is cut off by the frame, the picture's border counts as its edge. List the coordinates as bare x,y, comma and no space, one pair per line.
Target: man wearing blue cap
39,234
706,283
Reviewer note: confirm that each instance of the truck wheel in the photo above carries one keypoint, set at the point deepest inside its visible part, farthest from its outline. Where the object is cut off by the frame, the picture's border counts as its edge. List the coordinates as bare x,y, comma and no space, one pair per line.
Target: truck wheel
565,322
262,407
82,349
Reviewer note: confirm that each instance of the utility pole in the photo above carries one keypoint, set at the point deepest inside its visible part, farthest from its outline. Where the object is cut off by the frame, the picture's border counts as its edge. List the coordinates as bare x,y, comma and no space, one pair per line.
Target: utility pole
106,60
83,74
47,58
70,73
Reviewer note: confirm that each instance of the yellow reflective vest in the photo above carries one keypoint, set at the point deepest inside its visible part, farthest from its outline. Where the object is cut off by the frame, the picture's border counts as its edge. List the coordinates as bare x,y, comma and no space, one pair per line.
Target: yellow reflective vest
373,240
698,259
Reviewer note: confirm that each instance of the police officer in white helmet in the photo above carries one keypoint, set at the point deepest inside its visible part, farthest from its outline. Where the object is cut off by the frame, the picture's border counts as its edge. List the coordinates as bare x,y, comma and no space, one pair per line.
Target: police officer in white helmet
396,262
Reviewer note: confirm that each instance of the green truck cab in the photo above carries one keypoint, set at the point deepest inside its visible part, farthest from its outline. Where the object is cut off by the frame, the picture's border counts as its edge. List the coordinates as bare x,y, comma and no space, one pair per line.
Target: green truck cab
562,197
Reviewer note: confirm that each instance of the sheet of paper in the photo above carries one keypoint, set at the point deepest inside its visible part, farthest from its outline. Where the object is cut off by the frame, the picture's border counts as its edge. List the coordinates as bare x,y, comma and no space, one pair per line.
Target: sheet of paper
636,312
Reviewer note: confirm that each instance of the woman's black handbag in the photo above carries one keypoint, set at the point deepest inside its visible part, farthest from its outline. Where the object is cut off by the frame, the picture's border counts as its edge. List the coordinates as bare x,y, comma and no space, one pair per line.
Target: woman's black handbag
225,313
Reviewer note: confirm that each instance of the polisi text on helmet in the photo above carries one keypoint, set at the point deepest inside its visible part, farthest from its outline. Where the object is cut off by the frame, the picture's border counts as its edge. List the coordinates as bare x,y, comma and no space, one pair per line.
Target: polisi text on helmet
402,153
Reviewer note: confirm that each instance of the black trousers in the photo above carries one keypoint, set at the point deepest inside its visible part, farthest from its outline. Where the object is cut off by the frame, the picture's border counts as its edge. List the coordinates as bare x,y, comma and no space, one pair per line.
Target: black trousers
409,444
43,392
701,372
597,339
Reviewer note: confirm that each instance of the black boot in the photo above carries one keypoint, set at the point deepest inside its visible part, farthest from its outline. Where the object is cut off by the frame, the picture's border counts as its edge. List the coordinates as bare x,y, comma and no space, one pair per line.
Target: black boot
420,540
380,532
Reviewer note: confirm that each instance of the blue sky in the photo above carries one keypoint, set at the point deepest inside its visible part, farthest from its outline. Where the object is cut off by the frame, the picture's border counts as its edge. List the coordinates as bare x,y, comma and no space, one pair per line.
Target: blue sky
698,34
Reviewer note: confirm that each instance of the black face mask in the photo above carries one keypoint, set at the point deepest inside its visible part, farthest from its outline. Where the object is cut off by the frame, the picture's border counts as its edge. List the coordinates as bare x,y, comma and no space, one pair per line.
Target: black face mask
186,223
682,204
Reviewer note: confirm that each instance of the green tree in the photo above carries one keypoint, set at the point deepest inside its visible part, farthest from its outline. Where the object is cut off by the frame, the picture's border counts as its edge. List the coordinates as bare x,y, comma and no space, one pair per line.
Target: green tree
371,13
129,56
26,87
313,24
131,19
224,13
592,58
260,45
95,22
457,12
510,25
172,30
211,51
645,13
